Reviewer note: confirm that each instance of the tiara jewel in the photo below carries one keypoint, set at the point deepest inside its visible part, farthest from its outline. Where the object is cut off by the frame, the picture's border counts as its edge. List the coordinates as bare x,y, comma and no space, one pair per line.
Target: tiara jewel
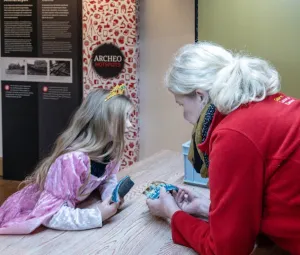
117,90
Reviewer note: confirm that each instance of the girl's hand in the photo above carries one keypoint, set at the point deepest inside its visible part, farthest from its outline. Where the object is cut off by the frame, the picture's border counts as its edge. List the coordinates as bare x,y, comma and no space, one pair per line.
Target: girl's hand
108,209
121,201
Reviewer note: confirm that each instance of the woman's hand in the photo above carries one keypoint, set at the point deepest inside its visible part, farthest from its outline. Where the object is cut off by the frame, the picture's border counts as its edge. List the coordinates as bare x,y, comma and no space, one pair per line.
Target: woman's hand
192,202
163,207
108,209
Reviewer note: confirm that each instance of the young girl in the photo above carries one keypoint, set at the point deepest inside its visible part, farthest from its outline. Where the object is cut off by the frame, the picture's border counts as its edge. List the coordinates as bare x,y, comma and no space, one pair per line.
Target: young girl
85,157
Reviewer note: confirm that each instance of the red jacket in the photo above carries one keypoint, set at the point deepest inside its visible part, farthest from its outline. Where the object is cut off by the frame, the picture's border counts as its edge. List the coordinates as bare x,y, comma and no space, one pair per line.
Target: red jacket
254,173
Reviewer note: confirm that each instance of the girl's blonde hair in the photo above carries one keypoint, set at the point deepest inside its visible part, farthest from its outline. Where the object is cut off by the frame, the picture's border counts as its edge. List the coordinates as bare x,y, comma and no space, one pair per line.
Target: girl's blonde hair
229,79
97,128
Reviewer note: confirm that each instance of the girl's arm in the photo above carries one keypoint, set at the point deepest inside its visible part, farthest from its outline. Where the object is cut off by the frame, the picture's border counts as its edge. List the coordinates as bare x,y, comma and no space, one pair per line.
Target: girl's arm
68,218
107,187
66,177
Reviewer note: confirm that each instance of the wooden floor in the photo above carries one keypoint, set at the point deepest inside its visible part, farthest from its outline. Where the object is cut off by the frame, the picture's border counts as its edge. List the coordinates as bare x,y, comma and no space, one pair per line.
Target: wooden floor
7,188
132,231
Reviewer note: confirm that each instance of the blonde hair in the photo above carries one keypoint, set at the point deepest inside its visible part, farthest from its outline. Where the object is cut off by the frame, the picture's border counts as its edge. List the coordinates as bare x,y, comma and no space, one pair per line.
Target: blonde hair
97,128
229,79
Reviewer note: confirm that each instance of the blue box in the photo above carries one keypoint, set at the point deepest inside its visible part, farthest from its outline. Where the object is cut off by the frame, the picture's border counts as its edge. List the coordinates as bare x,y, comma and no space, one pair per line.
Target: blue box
190,174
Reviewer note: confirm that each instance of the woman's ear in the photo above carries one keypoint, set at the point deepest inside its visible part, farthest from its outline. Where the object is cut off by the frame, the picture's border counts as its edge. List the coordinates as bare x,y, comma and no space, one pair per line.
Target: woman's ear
199,94
202,95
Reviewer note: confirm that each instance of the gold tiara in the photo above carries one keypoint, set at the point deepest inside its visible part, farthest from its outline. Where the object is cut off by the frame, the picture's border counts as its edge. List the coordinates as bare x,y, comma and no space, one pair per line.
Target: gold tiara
117,90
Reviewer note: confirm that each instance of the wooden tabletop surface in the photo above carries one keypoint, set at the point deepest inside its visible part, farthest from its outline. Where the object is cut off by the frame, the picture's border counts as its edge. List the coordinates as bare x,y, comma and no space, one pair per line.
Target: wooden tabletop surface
132,231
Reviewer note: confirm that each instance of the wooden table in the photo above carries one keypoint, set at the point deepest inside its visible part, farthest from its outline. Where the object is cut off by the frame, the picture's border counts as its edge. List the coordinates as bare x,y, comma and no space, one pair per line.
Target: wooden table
132,231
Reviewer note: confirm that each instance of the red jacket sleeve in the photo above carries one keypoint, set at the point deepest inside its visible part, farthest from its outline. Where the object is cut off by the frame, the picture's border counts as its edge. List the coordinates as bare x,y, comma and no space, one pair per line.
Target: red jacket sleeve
236,184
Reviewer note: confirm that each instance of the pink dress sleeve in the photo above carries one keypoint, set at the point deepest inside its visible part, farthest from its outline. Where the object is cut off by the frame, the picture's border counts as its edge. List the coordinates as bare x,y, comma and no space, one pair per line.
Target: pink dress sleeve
68,174
29,208
107,187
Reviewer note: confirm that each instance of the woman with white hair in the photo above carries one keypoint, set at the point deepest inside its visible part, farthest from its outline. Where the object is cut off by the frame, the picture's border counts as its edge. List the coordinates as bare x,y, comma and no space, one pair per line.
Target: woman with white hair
246,138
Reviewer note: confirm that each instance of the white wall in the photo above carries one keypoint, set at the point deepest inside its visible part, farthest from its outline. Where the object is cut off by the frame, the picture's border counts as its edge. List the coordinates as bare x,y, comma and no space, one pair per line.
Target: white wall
165,26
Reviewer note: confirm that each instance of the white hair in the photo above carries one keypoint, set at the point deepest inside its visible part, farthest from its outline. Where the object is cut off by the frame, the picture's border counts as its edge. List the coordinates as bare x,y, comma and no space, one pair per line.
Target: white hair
230,80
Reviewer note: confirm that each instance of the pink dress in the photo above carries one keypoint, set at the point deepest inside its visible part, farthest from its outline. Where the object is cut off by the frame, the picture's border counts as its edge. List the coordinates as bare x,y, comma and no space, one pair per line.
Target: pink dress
68,183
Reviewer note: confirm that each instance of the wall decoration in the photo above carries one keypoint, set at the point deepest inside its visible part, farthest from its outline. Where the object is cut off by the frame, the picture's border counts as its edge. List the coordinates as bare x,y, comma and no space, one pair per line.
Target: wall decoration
41,82
114,22
108,60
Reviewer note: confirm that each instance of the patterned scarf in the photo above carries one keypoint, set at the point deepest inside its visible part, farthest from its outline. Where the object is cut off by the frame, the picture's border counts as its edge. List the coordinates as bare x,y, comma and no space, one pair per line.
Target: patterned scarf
198,159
